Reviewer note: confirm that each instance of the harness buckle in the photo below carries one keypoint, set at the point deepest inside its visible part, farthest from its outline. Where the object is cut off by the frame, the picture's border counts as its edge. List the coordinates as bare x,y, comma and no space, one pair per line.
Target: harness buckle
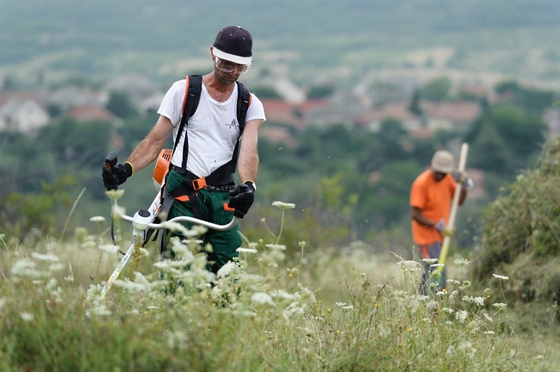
199,183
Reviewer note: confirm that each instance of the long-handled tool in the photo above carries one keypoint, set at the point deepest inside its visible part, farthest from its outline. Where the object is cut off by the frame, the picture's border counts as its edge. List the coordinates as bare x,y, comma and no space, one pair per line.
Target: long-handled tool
454,205
142,221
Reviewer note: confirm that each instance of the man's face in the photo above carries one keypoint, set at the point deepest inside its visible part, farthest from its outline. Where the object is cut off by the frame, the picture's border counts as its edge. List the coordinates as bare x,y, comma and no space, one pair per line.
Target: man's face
228,72
438,176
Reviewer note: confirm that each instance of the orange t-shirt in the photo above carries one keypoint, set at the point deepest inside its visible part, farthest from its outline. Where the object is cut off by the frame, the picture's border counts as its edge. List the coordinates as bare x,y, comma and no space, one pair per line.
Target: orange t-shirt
434,200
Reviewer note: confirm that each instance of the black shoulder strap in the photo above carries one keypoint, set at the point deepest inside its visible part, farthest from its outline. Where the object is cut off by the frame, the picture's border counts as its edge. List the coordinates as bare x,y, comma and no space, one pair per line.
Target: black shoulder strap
243,102
190,103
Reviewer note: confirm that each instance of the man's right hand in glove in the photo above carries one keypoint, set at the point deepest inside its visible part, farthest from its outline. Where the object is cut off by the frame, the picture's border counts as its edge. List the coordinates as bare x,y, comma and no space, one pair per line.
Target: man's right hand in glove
115,176
242,197
440,226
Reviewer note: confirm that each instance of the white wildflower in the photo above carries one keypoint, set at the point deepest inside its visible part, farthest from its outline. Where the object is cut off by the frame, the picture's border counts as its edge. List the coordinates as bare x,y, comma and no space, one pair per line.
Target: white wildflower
114,194
26,316
409,265
88,244
499,305
500,277
461,315
478,300
291,310
462,262
488,317
489,332
226,269
348,307
27,267
441,293
430,260
169,264
262,298
453,281
450,351
448,310
181,229
247,250
279,247
284,295
132,286
340,304
45,257
283,205
100,310
97,219
109,248
56,267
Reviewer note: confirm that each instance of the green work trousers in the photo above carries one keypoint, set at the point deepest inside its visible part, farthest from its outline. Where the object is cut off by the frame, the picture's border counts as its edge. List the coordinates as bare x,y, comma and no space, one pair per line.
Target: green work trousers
213,206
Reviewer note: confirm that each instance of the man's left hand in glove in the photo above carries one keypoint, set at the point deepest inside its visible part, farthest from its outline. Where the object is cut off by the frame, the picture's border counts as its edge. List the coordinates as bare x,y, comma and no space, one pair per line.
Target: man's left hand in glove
242,197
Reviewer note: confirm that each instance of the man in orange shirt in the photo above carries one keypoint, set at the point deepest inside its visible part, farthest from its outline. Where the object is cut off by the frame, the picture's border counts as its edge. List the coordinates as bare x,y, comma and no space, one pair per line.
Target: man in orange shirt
430,203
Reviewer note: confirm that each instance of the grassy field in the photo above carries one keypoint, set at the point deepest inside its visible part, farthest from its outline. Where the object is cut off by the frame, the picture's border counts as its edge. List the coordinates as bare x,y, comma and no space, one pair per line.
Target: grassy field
331,310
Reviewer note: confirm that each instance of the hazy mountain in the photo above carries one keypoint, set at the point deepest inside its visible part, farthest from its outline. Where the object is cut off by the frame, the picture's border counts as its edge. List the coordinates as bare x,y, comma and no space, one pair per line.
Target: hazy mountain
305,39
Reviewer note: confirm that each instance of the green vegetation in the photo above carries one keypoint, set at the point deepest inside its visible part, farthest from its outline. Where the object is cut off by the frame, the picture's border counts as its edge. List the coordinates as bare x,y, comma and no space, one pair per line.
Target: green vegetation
521,238
269,313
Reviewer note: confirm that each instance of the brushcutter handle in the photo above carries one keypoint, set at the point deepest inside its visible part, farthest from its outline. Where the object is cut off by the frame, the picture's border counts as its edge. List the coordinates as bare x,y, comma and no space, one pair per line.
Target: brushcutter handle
111,160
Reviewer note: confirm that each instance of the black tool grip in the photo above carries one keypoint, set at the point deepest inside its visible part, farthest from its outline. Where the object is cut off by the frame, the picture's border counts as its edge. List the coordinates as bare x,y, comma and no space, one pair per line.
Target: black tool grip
111,160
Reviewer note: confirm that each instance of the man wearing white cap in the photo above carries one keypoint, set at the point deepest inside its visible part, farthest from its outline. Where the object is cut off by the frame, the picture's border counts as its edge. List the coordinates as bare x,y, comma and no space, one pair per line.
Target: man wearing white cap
207,150
430,203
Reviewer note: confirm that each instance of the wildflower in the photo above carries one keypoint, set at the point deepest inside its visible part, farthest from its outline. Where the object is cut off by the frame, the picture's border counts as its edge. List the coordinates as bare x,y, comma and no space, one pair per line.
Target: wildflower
283,206
348,307
56,267
489,333
409,265
247,250
500,277
226,269
132,286
70,277
461,315
88,244
114,194
100,310
279,247
453,281
177,227
109,248
466,284
450,351
285,295
26,267
45,257
462,262
488,317
262,298
478,300
26,316
341,304
499,305
97,219
447,310
430,260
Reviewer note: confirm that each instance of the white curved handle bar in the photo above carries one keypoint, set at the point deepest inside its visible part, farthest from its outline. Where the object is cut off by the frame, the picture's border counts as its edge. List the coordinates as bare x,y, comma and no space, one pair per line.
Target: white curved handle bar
143,221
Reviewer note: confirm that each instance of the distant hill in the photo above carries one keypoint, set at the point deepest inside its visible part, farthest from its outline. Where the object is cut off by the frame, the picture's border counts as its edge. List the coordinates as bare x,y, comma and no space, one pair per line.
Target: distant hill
306,39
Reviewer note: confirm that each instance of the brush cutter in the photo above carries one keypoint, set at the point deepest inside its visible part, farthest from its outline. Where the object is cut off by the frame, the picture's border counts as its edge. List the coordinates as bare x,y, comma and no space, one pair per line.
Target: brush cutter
143,220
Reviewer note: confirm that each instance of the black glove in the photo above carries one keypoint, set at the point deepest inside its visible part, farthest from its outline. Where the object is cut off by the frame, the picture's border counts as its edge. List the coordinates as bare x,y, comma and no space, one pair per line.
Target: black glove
242,197
119,173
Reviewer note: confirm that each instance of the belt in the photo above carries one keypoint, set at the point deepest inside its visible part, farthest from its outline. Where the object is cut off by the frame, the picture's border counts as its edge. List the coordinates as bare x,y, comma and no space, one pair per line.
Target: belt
198,183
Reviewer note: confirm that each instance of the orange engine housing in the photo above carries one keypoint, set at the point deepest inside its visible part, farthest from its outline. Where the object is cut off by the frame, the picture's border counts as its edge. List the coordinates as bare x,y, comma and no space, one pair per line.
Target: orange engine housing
162,166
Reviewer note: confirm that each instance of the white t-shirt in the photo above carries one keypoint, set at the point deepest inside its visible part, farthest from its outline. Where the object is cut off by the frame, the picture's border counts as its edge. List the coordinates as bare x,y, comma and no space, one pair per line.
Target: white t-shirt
213,130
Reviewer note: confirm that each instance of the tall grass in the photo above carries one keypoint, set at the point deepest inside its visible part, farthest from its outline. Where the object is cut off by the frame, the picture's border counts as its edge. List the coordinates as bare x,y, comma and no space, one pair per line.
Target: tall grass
329,311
